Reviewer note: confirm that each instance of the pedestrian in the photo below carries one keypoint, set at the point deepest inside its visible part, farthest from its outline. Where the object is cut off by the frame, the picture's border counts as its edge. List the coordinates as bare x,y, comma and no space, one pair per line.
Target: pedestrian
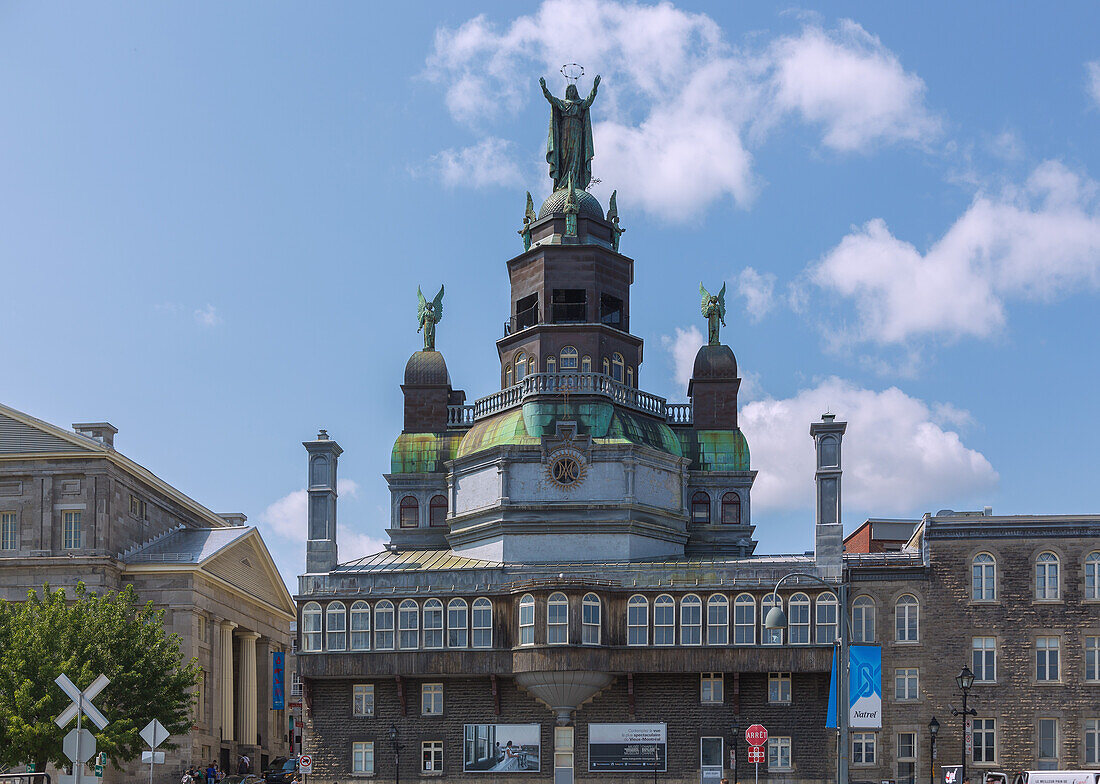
186,779
211,773
243,765
198,776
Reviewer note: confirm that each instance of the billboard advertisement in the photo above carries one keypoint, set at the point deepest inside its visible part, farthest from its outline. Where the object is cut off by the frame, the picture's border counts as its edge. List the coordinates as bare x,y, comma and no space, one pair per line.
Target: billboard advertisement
865,686
278,679
627,747
501,748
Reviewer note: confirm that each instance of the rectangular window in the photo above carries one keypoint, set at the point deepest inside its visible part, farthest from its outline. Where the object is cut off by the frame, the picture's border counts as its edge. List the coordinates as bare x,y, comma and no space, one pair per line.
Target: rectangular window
825,631
138,508
664,621
1046,658
200,697
9,531
779,687
200,631
527,311
431,756
905,684
1048,744
1092,741
362,757
863,748
710,752
710,687
569,305
779,753
637,621
985,740
907,758
431,699
744,621
362,699
71,535
985,659
611,311
1092,659
718,621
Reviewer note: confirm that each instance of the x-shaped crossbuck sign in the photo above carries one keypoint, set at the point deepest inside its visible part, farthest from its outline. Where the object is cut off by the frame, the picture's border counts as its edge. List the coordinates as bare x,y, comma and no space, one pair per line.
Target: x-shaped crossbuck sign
82,700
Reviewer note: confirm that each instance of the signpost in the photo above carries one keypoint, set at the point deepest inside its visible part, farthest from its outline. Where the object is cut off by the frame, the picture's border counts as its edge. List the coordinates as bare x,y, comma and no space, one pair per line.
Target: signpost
305,765
757,736
79,744
154,734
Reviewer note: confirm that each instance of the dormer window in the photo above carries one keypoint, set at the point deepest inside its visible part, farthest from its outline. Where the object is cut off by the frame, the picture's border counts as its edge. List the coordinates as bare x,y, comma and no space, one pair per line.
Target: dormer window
437,511
700,508
569,358
731,509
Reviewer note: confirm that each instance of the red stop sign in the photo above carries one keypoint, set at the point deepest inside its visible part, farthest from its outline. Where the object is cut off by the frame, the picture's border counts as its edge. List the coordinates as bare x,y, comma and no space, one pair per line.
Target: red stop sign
756,735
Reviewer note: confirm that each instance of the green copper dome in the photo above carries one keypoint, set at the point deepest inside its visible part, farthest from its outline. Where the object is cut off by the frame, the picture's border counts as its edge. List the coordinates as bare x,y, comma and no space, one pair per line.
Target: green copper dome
424,453
715,450
603,421
587,204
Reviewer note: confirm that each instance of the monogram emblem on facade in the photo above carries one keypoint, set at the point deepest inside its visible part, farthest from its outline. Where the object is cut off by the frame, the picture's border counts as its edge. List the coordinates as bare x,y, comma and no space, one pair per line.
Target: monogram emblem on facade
566,468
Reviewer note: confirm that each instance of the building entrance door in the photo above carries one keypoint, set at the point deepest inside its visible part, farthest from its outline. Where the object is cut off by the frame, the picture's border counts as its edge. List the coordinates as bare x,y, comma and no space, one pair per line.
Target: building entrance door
563,755
710,760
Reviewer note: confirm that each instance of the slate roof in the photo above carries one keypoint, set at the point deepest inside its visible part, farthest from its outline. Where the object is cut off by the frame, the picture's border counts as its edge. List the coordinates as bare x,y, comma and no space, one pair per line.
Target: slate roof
187,545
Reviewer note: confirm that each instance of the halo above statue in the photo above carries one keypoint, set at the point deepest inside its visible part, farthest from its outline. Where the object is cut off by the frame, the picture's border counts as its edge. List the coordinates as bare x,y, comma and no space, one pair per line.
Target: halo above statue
572,72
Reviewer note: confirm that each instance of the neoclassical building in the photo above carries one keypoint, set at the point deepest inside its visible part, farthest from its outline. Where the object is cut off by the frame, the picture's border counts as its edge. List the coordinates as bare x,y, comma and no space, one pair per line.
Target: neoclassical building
72,508
571,590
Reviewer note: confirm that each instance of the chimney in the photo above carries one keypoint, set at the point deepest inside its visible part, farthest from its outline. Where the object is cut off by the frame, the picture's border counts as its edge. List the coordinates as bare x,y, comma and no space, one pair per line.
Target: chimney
829,528
236,519
103,432
321,553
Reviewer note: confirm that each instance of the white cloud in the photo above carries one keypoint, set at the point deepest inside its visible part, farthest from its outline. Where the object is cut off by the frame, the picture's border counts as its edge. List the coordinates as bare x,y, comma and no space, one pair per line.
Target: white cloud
1035,242
899,458
677,100
208,316
758,290
1093,70
287,517
683,347
846,80
488,163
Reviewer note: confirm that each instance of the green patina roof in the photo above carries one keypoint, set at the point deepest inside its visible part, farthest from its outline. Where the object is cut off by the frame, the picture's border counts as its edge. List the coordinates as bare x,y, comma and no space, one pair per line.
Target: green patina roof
424,453
715,450
603,421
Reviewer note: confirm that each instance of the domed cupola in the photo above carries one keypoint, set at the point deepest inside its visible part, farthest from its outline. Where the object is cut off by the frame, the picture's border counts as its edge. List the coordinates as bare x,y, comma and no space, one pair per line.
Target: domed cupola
587,204
713,388
427,368
715,362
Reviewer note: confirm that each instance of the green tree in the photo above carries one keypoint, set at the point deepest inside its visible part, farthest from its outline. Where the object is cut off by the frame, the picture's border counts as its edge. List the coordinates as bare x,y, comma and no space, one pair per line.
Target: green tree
83,636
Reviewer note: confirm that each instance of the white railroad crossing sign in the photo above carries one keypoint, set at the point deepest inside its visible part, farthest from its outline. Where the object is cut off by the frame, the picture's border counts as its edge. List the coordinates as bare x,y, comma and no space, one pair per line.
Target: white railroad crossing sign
82,701
79,746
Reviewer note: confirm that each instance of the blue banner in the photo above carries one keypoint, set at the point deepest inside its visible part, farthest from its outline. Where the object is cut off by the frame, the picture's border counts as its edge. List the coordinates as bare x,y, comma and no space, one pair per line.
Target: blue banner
865,686
278,698
830,716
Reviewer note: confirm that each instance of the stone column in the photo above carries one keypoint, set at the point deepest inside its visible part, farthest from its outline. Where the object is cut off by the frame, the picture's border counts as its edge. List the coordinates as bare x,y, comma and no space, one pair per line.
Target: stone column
246,695
225,648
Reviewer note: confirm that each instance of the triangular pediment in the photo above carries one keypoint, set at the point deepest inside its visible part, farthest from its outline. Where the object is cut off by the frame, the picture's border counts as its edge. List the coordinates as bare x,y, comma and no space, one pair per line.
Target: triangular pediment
23,434
247,566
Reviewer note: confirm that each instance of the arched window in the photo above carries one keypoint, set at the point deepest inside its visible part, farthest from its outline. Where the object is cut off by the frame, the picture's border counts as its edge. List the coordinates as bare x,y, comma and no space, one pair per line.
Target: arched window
731,509
360,626
617,367
907,619
1046,576
437,510
629,376
826,619
527,620
433,623
700,508
383,625
410,512
830,452
983,578
336,621
521,366
606,366
664,620
1092,576
408,625
590,619
798,619
637,620
718,620
569,358
551,364
744,620
770,636
863,619
311,627
532,364
557,619
483,623
691,620
509,376
586,364
457,623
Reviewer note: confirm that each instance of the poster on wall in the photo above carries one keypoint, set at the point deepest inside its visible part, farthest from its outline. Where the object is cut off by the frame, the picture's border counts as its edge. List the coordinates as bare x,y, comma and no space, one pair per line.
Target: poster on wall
865,686
278,673
501,748
626,747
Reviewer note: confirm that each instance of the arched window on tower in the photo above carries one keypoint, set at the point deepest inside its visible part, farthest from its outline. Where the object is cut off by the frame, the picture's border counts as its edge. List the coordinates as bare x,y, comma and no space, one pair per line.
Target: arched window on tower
586,364
617,367
700,508
569,358
509,376
521,366
532,364
551,364
410,512
731,509
630,376
437,510
606,366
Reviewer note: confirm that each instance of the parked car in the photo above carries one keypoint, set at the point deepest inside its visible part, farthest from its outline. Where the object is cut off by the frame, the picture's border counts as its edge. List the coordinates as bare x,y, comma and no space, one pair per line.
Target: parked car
281,770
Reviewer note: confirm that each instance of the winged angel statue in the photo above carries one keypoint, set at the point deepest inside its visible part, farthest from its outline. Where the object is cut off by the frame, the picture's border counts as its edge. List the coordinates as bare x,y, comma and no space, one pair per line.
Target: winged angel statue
429,314
714,309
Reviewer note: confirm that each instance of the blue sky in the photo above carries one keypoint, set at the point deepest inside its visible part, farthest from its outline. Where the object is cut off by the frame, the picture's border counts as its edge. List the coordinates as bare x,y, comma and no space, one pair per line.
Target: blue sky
214,218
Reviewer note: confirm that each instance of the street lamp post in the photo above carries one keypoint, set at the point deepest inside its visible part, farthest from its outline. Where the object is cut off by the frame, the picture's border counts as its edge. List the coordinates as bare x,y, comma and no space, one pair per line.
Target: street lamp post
964,680
933,730
777,619
396,754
